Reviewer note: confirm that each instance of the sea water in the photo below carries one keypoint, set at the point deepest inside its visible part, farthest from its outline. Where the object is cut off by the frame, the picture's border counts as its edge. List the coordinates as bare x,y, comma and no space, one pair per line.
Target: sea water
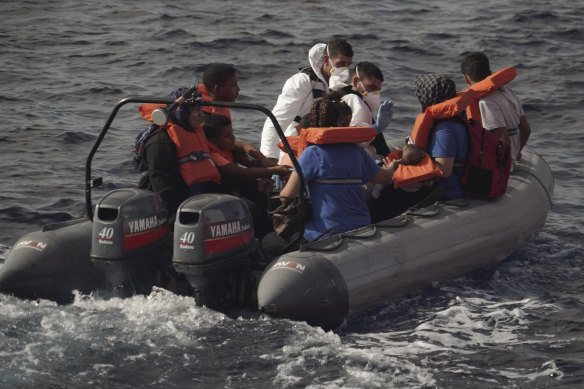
64,66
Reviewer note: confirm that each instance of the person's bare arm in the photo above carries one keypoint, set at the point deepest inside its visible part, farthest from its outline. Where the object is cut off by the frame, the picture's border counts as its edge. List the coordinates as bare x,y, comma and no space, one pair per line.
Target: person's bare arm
385,174
254,172
524,132
292,187
502,133
446,165
254,153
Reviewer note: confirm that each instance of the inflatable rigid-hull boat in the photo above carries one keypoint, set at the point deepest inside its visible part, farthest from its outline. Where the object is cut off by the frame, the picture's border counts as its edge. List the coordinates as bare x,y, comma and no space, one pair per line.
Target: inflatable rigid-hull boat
327,281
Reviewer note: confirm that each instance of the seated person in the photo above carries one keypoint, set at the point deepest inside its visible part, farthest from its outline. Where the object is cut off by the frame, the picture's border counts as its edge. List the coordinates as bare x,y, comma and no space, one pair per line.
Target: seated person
328,64
162,158
228,154
338,206
448,149
449,145
501,111
363,96
220,83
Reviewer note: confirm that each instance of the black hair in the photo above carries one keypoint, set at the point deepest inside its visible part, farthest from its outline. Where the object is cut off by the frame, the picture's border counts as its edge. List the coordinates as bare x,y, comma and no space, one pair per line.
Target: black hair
213,124
475,66
217,74
338,46
368,70
326,112
305,121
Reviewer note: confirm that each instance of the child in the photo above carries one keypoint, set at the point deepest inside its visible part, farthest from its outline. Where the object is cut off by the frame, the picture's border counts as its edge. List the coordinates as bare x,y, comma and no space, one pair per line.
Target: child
220,83
410,155
228,156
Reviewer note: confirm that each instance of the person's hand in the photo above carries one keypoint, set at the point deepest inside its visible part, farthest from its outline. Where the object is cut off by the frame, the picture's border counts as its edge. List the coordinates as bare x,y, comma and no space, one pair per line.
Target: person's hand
281,170
268,162
266,185
384,115
391,163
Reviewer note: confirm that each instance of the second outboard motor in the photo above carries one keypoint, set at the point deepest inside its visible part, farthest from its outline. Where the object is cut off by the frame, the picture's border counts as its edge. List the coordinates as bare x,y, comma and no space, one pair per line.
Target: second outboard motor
130,240
213,234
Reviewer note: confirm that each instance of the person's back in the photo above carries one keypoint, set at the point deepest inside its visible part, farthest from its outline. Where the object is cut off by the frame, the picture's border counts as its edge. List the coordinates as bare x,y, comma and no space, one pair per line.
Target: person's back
501,110
341,206
335,174
161,171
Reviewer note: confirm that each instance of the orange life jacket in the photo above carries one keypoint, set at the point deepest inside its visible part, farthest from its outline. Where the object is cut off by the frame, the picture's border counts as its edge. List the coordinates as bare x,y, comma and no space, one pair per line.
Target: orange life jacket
192,150
467,99
410,174
447,109
486,86
202,89
326,135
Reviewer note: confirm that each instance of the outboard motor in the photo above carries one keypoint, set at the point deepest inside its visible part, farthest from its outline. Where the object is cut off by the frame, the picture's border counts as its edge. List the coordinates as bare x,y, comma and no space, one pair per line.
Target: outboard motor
130,240
213,235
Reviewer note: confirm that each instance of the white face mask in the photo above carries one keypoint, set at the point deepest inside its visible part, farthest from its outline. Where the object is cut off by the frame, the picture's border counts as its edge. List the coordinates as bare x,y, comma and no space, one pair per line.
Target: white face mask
373,99
338,75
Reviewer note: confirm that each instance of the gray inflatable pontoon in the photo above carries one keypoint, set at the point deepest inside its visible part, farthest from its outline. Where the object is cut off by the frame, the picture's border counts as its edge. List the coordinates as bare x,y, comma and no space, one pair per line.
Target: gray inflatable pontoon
327,281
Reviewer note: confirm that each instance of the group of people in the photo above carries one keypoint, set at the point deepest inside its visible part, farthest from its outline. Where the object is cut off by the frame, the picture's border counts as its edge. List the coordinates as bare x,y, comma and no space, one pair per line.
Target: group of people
197,151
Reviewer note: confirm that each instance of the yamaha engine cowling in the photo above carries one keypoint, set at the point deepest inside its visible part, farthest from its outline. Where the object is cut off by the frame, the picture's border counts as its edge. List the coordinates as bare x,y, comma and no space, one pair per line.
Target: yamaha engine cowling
213,234
130,240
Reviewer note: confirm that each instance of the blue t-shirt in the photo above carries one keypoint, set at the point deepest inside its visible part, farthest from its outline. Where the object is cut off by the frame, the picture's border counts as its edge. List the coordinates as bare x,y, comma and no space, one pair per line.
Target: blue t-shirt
341,206
451,140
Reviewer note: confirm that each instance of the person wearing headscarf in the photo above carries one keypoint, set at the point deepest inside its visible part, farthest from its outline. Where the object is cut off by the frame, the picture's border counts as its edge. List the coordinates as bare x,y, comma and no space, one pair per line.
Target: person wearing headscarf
448,148
449,145
175,158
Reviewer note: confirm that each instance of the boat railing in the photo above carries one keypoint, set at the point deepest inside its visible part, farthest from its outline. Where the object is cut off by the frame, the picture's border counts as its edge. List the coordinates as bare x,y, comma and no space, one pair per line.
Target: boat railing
91,182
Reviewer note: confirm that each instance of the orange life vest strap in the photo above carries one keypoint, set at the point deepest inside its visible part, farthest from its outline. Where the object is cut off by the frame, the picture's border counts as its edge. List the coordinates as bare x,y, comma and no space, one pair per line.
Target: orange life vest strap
202,89
192,149
327,135
466,99
147,109
486,86
444,110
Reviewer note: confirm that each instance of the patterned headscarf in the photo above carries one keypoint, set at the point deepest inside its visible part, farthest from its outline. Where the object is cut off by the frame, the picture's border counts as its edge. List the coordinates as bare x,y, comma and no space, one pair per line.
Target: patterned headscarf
433,89
181,115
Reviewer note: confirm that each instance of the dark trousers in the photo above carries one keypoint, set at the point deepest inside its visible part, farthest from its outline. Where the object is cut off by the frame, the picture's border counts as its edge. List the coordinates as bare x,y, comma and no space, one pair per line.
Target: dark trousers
257,202
393,202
